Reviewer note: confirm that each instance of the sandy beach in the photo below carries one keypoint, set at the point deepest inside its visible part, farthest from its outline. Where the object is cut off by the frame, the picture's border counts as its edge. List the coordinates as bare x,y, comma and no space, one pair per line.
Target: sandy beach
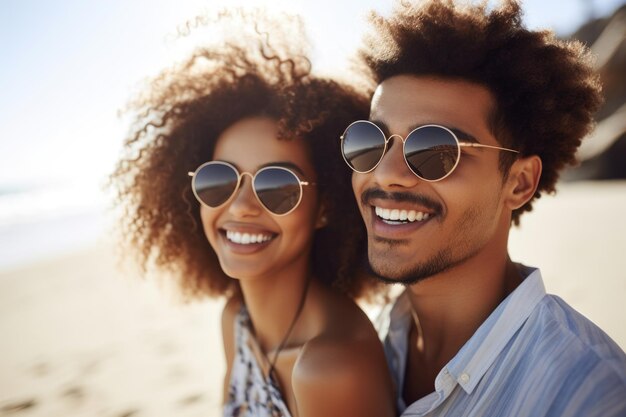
82,338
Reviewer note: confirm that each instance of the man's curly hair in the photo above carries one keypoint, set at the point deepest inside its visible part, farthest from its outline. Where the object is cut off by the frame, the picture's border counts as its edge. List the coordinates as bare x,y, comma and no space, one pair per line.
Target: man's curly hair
545,89
175,130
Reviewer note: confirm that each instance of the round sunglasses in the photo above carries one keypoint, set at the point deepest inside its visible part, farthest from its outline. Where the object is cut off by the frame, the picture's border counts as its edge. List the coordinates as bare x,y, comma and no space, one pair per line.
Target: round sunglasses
431,152
278,189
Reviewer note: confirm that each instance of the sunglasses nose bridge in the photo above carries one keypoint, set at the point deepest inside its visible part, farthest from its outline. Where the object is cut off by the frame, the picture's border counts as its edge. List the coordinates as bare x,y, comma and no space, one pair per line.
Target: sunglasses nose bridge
392,170
395,135
389,142
241,184
244,201
243,174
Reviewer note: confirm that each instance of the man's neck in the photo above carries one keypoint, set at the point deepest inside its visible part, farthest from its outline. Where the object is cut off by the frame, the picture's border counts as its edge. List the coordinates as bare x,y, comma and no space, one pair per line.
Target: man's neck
447,310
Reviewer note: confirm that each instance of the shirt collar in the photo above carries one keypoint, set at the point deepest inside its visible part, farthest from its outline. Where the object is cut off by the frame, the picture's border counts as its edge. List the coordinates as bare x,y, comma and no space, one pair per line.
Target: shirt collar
475,357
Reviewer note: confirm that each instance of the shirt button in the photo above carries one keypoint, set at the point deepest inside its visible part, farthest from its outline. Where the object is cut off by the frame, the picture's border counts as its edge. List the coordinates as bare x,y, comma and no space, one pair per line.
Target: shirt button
465,378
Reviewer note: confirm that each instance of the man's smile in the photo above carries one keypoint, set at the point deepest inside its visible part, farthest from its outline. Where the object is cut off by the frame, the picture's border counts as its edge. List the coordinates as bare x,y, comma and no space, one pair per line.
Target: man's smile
400,216
396,223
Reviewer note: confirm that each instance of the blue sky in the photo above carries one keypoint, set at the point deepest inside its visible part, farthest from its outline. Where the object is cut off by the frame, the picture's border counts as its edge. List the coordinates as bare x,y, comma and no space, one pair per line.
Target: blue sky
69,66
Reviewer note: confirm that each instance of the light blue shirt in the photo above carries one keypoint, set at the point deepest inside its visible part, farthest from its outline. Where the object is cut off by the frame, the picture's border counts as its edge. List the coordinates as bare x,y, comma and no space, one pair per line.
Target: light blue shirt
534,356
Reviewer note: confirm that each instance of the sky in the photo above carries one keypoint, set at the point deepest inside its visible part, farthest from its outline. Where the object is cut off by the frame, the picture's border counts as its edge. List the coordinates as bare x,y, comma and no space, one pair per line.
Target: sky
69,66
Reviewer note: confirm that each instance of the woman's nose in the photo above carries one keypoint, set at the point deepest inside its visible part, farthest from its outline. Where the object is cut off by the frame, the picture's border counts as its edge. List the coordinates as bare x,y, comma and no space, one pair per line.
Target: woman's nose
244,202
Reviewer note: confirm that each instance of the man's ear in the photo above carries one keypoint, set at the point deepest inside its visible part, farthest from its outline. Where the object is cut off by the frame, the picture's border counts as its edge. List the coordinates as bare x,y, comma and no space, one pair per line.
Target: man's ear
522,181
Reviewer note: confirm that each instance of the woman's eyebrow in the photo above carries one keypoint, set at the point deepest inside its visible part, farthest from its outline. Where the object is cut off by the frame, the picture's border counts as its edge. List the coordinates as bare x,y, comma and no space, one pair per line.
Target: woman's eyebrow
284,164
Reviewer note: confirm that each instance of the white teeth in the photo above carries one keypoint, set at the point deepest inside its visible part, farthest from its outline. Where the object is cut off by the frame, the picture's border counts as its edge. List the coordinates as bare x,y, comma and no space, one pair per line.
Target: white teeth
246,238
384,213
401,215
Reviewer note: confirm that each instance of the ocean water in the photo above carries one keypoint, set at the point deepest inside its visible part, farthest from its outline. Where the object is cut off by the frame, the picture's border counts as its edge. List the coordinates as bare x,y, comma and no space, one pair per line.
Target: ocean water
45,221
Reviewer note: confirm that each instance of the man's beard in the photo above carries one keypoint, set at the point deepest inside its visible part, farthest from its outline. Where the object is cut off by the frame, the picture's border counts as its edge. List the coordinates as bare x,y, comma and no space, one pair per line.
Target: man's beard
437,264
433,266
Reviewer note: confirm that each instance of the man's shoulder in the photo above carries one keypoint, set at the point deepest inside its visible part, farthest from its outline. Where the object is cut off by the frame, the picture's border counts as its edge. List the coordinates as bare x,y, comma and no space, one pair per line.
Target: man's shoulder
559,363
570,339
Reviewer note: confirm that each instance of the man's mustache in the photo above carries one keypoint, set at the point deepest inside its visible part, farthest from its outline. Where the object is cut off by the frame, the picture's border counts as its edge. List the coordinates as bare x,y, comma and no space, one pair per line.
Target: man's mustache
400,197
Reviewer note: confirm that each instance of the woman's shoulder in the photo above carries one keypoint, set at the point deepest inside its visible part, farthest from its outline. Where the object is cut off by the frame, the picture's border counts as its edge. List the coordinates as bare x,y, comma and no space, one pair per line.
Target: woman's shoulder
344,368
230,312
344,355
347,342
231,309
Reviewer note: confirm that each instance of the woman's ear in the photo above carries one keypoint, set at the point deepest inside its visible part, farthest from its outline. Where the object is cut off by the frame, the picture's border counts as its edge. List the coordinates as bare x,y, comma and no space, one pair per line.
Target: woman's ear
322,215
522,181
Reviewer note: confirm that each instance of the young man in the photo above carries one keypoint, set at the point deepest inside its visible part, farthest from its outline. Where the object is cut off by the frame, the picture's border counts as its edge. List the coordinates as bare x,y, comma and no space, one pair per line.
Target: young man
472,119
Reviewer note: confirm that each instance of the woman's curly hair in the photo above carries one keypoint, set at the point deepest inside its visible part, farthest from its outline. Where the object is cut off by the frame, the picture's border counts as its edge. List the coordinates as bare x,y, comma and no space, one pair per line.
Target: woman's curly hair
175,130
545,89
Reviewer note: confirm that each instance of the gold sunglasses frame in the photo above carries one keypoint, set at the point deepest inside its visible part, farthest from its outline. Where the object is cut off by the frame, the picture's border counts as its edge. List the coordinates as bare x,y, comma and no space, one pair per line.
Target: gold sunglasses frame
388,139
252,178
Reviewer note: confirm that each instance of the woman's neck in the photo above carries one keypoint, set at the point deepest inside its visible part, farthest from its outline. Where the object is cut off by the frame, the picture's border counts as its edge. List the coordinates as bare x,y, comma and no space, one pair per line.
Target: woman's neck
273,302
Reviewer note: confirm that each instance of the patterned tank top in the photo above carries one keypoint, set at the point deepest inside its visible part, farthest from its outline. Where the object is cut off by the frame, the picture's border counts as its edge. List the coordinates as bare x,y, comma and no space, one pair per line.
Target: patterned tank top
248,393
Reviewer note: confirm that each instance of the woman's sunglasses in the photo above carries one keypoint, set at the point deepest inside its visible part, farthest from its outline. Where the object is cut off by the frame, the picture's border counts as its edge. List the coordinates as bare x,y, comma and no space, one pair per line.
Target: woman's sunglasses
432,152
277,188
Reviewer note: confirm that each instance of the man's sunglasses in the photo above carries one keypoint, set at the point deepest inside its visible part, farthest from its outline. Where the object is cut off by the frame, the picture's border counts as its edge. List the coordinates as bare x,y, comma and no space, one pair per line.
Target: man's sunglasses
432,152
277,188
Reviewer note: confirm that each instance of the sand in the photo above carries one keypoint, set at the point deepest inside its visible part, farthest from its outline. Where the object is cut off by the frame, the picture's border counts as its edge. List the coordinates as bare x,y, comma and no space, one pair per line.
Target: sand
82,338
79,338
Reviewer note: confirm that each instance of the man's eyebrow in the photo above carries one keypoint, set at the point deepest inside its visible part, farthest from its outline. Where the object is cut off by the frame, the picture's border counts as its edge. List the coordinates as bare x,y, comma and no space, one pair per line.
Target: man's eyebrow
284,164
462,135
381,125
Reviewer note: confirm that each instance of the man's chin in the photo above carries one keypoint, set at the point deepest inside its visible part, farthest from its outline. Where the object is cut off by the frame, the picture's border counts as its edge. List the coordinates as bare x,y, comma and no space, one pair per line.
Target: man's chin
386,270
390,277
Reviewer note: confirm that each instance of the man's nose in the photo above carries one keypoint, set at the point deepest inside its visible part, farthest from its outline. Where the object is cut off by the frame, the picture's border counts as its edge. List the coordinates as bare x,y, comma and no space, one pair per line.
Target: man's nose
392,171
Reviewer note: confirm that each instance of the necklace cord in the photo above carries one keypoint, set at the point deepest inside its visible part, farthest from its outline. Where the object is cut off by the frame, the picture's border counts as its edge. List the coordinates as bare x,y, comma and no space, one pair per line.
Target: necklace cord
283,342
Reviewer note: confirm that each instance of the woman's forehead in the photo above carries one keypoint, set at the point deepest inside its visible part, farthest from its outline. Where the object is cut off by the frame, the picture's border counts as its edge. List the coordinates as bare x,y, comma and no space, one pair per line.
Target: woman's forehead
253,143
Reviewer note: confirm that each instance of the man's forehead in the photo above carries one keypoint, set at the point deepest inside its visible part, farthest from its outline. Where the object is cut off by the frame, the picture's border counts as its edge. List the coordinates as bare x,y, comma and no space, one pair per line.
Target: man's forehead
406,100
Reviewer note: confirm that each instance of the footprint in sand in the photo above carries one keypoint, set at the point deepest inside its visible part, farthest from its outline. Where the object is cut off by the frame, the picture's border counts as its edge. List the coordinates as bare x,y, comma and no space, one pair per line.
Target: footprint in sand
41,369
17,406
191,399
128,413
76,393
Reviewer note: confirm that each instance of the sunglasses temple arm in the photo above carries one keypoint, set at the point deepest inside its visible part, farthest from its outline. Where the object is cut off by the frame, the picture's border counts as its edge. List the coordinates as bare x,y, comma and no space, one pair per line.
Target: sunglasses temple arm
480,145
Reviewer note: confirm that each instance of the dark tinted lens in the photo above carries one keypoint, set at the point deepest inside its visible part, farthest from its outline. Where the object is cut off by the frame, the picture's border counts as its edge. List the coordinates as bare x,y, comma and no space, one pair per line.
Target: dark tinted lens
278,189
215,183
363,146
431,152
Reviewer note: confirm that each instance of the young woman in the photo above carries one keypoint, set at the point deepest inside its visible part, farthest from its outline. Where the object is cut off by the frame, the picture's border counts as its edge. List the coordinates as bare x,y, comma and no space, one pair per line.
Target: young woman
234,181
